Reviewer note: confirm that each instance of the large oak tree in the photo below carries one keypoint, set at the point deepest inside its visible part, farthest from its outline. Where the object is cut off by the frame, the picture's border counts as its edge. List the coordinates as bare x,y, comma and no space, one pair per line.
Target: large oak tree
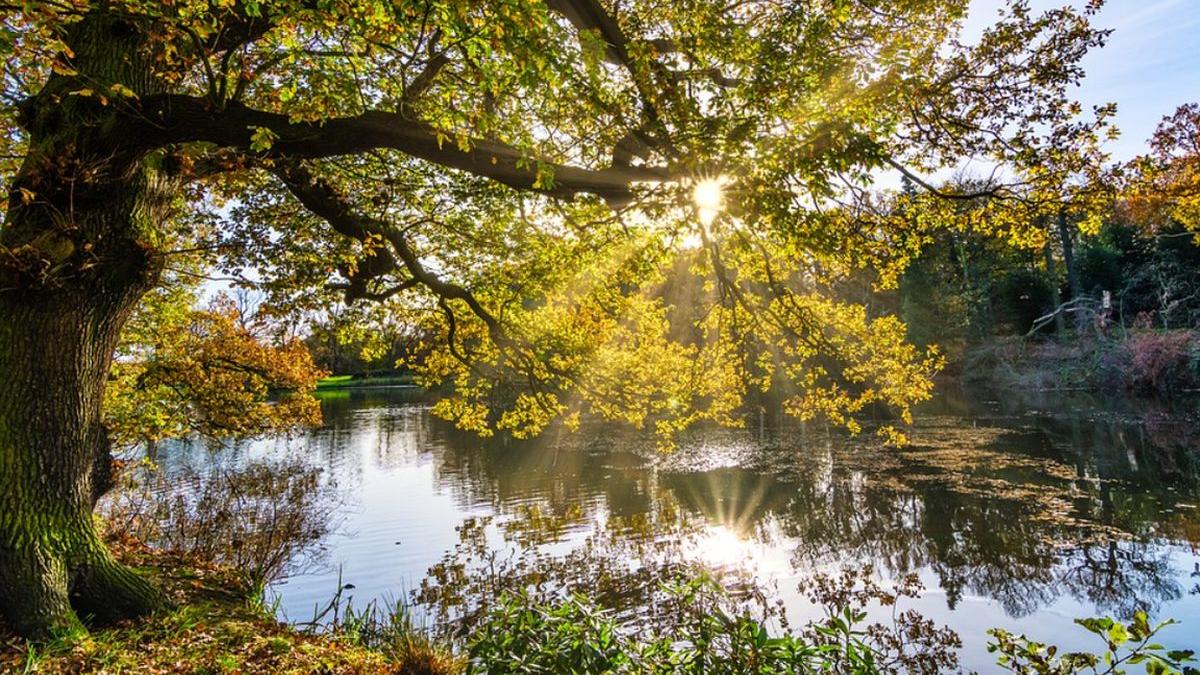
514,177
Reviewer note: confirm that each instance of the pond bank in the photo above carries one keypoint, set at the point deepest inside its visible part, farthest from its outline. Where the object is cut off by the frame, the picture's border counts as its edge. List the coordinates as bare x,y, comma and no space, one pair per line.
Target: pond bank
215,627
334,382
1144,363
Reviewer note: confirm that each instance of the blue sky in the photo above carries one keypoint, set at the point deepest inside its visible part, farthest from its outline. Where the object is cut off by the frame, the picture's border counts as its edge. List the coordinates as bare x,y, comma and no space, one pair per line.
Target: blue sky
1150,66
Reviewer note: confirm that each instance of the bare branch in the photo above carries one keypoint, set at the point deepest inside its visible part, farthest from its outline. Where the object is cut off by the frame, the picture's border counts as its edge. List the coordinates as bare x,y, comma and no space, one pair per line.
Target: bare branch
996,191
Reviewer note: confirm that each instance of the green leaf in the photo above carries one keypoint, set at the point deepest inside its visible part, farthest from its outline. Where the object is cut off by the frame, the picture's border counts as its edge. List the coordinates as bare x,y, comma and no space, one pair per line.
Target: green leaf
262,139
1118,634
1098,626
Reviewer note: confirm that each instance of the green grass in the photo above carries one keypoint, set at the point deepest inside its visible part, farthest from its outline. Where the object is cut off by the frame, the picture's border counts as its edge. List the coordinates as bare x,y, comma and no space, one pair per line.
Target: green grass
351,381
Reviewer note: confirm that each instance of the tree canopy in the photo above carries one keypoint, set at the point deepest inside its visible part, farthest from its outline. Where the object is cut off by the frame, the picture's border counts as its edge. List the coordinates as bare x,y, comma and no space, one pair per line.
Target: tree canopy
516,178
1166,182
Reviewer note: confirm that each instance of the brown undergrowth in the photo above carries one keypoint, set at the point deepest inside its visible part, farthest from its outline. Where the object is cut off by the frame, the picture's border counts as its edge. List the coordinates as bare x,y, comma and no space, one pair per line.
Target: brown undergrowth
1141,362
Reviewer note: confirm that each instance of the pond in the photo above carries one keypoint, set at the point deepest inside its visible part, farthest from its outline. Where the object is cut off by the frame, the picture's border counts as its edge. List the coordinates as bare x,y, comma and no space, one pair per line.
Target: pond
1021,515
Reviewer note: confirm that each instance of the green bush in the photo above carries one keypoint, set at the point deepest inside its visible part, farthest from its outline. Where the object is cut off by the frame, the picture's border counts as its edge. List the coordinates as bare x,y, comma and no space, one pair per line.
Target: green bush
711,635
1020,298
524,634
573,636
1125,645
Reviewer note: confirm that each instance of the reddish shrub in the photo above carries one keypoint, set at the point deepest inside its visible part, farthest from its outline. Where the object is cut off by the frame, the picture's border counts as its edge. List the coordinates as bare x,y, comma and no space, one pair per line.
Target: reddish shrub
1162,361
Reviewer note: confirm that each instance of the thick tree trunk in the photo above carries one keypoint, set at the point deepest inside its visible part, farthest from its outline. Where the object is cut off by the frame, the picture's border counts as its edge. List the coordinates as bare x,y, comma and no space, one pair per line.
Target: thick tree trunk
55,351
75,257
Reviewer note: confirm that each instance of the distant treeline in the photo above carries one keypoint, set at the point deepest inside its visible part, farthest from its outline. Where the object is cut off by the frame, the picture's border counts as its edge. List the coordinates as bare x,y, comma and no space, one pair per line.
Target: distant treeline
973,287
1117,310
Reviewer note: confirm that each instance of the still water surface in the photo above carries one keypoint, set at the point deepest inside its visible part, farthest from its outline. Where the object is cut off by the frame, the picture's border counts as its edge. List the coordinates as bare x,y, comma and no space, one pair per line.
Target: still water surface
1017,515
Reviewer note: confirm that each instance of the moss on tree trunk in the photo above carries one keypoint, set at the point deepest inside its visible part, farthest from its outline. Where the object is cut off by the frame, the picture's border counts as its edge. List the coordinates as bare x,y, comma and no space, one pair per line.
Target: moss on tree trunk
55,349
75,256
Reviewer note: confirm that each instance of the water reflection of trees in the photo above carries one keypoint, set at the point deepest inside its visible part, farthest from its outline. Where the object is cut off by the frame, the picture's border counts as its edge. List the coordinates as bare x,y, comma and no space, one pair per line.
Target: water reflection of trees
626,564
1021,517
1018,508
1002,526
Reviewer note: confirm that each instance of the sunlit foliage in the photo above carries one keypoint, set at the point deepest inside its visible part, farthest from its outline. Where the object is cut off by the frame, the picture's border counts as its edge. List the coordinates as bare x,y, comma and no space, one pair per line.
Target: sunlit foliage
203,371
515,179
1166,186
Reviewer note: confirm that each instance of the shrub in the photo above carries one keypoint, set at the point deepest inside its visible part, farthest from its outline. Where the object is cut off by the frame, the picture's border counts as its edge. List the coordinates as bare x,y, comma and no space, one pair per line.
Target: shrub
1125,644
1162,362
527,634
571,635
1020,298
260,520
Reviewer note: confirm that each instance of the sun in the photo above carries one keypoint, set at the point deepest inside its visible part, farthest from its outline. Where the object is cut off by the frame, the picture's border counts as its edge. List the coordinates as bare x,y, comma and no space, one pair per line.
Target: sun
709,197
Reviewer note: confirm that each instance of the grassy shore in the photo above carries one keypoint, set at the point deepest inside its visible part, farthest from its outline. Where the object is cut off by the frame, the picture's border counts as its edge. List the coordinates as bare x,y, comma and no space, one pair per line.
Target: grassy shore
217,628
334,382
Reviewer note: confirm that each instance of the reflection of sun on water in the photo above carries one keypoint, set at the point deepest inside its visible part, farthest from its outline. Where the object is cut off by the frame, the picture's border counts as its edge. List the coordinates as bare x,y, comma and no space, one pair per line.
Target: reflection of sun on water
737,533
721,547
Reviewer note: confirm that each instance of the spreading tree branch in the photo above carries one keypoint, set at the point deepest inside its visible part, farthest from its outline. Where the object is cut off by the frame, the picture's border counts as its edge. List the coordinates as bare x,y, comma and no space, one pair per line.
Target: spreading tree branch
322,199
170,119
995,191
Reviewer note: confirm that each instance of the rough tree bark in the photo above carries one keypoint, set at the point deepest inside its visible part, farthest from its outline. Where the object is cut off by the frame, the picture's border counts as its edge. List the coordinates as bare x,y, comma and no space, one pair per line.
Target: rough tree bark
55,349
75,257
